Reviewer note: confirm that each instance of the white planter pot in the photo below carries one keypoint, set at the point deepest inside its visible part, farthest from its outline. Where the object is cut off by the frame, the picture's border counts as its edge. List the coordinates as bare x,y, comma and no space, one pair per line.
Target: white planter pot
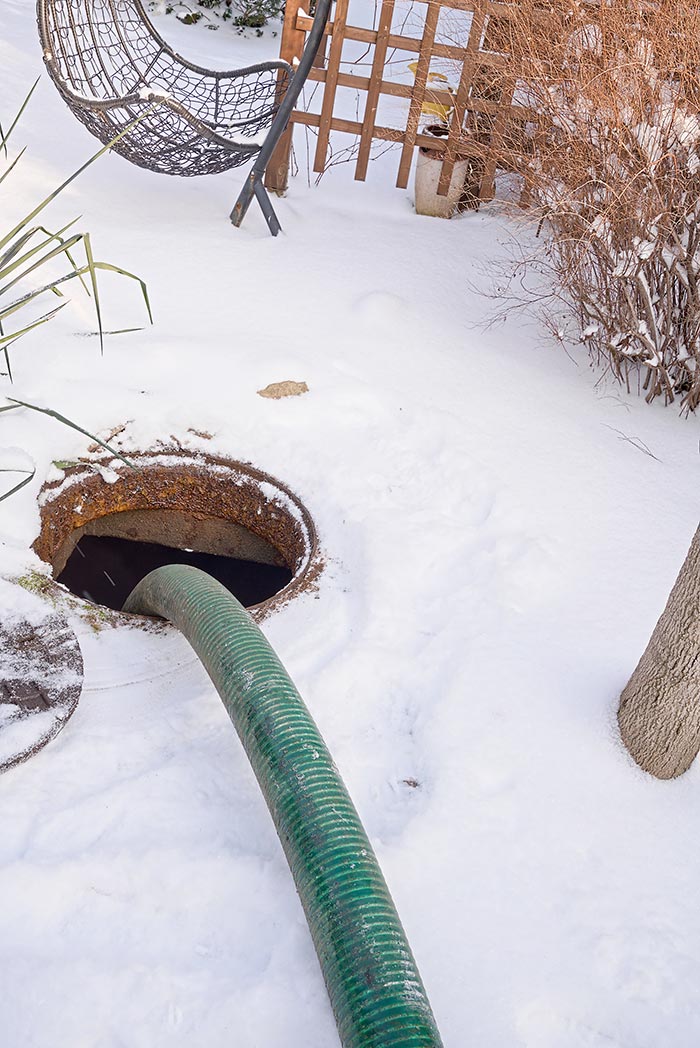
428,171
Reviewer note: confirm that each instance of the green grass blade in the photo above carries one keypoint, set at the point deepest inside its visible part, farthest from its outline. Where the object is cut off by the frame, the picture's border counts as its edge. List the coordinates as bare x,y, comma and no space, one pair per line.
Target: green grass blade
70,257
112,331
72,425
27,480
132,276
22,242
5,138
95,290
18,303
17,246
7,340
8,170
6,354
53,253
60,249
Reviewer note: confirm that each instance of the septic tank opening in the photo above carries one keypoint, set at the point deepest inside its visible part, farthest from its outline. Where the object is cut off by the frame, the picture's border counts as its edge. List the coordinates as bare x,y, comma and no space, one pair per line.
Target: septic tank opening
104,570
104,526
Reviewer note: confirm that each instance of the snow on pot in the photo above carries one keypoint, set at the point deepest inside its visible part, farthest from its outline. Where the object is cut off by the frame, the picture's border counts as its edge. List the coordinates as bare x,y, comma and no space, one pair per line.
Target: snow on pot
428,171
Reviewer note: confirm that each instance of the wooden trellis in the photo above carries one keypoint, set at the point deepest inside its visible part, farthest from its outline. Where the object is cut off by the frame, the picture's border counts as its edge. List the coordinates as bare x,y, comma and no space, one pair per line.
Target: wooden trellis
481,106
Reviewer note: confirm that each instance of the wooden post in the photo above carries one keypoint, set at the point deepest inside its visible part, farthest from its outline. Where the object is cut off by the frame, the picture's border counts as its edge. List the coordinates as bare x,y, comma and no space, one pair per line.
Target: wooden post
418,95
334,58
291,47
375,86
459,108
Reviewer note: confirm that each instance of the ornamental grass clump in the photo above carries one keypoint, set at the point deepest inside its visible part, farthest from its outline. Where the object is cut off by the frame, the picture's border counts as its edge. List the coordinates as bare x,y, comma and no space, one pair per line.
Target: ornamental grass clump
28,250
37,262
614,165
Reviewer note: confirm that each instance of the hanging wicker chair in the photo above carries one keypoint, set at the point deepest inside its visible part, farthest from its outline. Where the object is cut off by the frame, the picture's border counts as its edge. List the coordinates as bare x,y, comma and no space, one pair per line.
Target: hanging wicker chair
115,72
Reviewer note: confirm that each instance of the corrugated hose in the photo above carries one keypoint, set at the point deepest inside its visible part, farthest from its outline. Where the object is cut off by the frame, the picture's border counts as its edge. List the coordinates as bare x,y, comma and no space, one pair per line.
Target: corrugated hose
375,989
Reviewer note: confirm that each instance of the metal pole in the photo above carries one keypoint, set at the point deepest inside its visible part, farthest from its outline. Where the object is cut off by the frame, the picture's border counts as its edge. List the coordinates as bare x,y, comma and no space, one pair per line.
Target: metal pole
254,183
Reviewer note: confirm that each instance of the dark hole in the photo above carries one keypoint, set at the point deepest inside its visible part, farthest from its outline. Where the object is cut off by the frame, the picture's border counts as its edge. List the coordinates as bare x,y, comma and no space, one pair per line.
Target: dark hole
104,570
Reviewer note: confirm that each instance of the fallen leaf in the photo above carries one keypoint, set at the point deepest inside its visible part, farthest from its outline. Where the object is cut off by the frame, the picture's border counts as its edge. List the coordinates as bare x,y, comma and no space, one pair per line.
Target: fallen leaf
277,390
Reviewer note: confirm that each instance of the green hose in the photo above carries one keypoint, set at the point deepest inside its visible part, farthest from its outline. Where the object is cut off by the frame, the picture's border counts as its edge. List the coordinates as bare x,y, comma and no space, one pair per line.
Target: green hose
375,989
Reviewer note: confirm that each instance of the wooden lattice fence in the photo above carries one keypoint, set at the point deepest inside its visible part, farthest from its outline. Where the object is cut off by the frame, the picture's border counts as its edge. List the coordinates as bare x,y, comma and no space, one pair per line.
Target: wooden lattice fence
482,119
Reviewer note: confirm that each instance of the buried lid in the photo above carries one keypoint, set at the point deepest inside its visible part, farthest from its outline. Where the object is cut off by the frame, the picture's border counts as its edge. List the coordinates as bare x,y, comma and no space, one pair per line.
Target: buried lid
41,677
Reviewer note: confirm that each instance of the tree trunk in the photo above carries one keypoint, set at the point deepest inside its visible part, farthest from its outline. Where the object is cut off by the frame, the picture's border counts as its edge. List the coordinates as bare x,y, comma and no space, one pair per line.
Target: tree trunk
659,713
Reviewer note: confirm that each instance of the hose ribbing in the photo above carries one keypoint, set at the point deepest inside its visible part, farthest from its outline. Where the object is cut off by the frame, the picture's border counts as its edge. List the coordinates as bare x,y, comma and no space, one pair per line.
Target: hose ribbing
373,982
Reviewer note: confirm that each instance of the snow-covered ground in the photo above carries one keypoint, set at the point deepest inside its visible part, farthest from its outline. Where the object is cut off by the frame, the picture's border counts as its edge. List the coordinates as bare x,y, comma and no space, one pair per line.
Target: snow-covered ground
499,547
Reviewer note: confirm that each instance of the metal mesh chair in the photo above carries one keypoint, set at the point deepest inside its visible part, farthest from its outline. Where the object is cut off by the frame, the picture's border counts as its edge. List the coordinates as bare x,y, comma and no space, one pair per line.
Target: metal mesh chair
115,73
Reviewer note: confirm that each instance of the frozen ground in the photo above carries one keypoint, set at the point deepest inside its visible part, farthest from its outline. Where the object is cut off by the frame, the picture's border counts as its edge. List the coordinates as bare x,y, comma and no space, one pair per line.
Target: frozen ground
499,551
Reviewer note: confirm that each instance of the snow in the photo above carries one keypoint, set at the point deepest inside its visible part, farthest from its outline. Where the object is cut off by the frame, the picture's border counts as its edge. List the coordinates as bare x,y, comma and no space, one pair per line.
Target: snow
498,547
108,475
153,94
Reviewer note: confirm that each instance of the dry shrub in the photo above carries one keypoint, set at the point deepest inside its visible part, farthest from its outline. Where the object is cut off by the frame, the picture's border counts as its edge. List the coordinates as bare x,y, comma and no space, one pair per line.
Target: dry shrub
614,93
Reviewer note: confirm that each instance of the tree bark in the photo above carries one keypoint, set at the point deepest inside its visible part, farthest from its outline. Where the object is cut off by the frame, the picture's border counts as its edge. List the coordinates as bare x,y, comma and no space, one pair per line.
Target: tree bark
659,712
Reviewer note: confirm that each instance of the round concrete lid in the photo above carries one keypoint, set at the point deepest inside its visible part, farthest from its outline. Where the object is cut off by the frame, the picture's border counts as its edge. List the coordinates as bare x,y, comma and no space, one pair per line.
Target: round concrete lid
41,677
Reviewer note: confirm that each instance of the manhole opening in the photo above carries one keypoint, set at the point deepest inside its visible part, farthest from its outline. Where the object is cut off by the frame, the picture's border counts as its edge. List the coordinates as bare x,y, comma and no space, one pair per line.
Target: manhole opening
104,570
236,523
